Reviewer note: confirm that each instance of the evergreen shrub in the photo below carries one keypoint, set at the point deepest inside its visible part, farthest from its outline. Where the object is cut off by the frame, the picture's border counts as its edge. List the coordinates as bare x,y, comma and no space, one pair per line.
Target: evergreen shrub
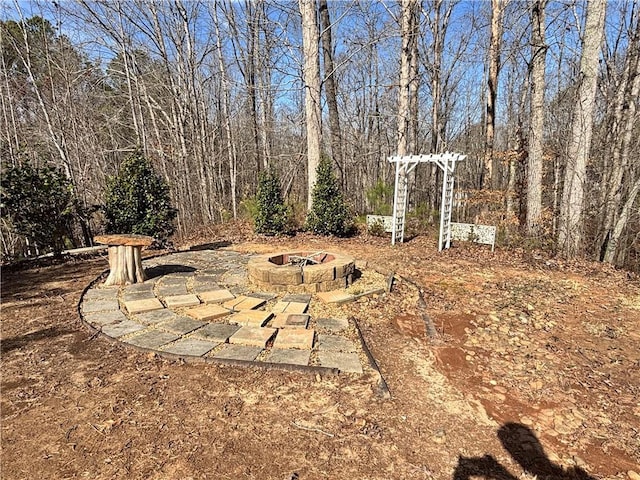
380,198
137,201
271,215
38,204
329,214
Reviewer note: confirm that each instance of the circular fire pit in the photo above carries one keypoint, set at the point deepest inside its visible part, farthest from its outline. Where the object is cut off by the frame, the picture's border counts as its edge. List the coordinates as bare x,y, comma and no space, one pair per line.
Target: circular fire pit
299,272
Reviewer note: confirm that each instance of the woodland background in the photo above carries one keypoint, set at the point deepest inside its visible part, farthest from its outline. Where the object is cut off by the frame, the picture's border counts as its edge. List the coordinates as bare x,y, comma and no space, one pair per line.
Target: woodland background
542,96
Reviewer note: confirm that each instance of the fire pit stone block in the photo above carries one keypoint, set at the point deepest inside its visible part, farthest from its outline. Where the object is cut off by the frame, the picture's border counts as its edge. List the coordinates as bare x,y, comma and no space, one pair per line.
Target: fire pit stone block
286,276
319,273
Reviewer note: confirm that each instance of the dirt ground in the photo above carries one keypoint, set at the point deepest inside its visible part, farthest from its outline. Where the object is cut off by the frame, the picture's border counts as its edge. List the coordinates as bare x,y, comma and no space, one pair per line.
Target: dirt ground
532,370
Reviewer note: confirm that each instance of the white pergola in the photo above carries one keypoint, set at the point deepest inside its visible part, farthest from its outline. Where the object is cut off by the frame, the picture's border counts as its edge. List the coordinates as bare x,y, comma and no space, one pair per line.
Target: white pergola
404,165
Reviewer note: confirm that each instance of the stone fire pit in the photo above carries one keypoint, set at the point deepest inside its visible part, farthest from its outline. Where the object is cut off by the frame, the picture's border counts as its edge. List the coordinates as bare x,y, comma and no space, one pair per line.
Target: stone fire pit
301,272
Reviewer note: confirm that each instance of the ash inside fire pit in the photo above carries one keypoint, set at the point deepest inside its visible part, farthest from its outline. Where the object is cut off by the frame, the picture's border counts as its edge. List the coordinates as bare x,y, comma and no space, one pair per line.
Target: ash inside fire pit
302,271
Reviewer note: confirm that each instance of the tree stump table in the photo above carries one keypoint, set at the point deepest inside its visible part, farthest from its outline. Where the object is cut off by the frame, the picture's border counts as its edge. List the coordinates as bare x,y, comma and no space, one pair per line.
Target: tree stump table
125,261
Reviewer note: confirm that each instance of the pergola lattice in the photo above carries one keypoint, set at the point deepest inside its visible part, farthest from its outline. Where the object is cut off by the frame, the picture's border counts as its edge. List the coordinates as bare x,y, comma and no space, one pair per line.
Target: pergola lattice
404,165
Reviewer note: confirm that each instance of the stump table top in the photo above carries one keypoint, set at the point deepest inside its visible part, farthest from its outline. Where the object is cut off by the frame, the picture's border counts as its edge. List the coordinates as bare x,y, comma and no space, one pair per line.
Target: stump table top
132,239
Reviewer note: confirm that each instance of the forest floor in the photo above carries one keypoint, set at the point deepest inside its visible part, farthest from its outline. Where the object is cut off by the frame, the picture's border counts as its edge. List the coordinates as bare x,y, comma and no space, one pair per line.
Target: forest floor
533,371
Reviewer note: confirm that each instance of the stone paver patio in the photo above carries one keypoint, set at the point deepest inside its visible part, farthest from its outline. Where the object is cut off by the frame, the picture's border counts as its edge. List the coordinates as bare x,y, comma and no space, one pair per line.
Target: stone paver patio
199,304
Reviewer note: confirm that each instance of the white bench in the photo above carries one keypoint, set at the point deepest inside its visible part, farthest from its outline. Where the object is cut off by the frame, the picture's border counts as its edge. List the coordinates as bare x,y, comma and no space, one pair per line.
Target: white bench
385,220
470,232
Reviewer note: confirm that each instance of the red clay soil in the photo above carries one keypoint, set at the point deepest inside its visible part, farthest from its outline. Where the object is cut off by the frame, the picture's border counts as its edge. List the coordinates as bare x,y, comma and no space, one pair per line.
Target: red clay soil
534,372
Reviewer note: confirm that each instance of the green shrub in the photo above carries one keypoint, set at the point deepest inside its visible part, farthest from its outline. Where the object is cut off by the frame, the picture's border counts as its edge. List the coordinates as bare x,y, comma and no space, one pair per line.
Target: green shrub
271,215
248,208
329,214
38,203
380,198
377,228
137,201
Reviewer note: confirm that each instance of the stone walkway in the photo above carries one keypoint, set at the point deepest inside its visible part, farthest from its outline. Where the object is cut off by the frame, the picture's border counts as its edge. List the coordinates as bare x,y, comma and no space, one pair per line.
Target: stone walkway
200,305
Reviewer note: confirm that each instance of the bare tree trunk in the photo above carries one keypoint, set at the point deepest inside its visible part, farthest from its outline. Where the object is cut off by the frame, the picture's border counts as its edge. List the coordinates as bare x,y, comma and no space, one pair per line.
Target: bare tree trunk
515,162
412,140
226,114
489,178
614,241
266,90
408,39
570,235
252,41
439,25
312,85
26,62
438,46
536,125
8,110
624,120
330,88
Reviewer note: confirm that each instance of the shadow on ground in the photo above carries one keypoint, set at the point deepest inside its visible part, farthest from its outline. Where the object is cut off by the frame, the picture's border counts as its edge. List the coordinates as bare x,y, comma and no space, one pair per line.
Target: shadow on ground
525,448
21,341
161,270
210,246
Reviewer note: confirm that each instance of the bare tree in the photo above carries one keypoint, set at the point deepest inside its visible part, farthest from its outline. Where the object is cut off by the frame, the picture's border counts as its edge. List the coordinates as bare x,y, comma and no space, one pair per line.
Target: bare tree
312,85
330,87
536,125
616,219
570,234
408,38
495,42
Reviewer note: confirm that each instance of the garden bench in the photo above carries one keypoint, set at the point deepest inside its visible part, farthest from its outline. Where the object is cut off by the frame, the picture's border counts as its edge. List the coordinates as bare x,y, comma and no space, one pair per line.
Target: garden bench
125,260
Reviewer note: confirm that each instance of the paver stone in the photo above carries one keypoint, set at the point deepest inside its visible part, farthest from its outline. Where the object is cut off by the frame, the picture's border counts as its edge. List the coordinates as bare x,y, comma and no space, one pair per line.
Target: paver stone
334,343
130,296
156,316
191,347
140,306
105,318
181,325
121,329
152,339
254,336
289,357
172,290
146,286
238,352
252,318
107,293
90,306
244,303
332,324
294,338
216,296
262,295
335,296
290,320
345,362
297,297
216,332
178,301
290,307
207,312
